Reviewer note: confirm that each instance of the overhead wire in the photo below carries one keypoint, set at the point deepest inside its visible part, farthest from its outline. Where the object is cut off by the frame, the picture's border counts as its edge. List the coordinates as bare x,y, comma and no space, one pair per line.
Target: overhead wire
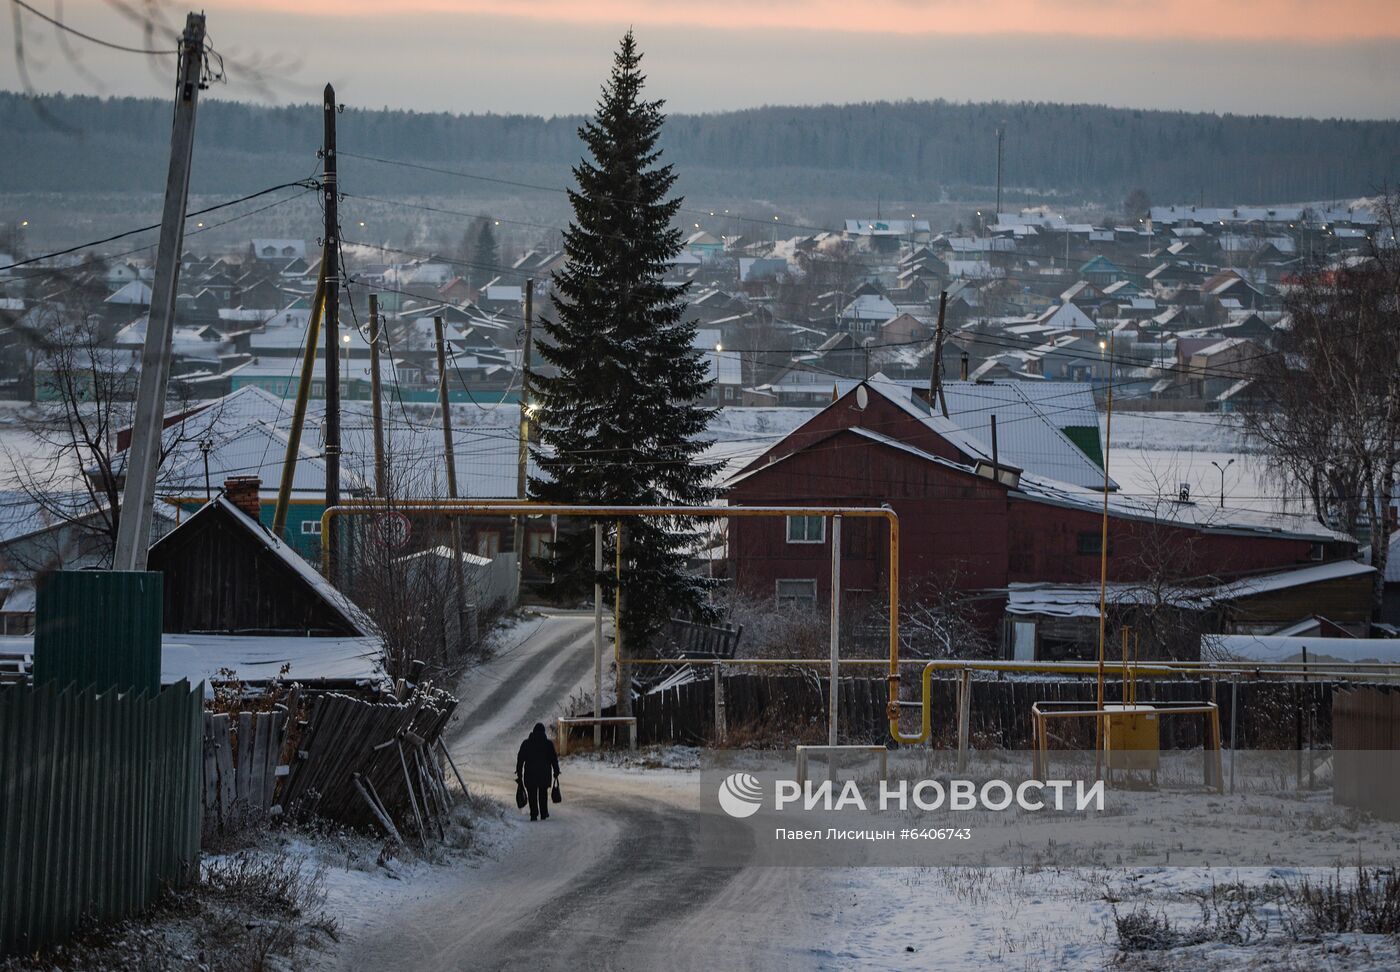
112,45
303,184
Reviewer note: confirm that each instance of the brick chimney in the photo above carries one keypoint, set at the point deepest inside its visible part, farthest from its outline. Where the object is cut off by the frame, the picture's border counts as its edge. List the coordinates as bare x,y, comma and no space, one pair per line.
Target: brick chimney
242,492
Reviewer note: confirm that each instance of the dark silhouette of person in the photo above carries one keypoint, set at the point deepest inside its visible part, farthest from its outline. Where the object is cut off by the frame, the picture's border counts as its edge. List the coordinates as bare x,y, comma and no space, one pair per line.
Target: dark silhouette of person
533,766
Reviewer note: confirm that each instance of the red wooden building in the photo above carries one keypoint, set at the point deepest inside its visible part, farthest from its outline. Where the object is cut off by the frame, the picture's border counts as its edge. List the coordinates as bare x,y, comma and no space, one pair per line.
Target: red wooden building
971,521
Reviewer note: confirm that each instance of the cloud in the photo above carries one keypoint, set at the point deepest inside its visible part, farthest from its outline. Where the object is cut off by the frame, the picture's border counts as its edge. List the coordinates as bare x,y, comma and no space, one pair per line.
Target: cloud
1301,21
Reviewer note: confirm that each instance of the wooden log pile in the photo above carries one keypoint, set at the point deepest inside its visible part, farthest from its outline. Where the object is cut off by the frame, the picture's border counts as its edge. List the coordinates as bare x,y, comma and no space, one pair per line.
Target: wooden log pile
376,765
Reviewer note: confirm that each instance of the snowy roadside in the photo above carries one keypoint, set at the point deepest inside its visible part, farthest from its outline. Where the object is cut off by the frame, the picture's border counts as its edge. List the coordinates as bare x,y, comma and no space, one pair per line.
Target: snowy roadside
1069,918
281,901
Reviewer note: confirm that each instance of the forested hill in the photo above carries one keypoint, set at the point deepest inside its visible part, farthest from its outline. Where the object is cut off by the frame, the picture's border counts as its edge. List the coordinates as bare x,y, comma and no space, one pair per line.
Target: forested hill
917,150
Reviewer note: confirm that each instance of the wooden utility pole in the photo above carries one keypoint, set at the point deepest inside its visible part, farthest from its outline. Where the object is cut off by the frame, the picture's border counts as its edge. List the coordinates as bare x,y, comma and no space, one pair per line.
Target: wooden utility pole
450,459
143,457
624,671
935,380
381,486
1001,139
523,459
331,238
308,369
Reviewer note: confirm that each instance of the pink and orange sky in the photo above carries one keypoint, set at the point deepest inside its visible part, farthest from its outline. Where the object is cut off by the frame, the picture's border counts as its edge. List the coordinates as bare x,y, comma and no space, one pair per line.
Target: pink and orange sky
1296,57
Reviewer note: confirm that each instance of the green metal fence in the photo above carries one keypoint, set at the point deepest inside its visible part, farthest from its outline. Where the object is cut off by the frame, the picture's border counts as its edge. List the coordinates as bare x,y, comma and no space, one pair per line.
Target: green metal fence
99,805
98,627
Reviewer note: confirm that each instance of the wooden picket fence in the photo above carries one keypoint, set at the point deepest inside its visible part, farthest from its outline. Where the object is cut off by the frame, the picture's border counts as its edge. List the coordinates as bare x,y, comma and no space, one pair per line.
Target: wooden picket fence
375,764
785,709
242,764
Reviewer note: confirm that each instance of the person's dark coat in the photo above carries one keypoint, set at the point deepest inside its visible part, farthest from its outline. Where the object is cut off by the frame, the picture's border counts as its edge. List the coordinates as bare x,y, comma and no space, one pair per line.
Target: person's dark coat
537,763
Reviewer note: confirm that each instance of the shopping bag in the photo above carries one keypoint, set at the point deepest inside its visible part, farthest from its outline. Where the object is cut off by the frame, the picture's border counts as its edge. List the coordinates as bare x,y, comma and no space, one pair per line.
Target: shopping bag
520,798
554,795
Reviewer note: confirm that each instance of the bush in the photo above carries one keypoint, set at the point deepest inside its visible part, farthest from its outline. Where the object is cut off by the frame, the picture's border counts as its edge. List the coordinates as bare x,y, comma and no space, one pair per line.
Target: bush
1370,906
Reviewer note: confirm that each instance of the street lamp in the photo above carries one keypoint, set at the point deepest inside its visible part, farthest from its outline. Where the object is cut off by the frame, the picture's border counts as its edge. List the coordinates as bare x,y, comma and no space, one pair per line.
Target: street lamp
345,340
1222,478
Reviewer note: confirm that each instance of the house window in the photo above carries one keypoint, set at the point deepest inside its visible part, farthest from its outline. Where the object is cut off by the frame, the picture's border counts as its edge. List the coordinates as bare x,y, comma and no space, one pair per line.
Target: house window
488,543
539,545
1091,542
311,527
1316,552
806,529
797,594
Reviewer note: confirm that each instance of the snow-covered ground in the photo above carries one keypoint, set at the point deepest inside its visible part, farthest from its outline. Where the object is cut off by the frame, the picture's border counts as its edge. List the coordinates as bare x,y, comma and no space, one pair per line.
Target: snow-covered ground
1152,453
960,919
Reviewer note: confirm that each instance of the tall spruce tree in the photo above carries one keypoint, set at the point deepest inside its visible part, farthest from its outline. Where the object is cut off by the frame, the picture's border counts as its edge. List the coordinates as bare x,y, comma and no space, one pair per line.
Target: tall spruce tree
484,252
619,418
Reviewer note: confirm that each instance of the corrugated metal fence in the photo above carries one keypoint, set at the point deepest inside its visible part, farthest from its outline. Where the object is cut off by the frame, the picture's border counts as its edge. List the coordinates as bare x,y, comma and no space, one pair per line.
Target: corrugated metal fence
99,805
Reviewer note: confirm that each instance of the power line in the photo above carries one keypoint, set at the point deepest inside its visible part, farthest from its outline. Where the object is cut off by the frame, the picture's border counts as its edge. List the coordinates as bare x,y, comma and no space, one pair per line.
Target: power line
304,184
89,37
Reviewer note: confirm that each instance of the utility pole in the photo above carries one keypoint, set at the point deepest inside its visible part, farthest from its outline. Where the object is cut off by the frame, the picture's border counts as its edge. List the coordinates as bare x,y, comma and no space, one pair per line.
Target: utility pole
1001,138
450,459
143,457
620,646
381,486
331,234
523,459
308,369
597,634
935,381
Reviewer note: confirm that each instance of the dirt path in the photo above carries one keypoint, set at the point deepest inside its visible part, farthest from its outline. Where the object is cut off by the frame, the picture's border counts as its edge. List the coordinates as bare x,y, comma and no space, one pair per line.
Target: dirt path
612,880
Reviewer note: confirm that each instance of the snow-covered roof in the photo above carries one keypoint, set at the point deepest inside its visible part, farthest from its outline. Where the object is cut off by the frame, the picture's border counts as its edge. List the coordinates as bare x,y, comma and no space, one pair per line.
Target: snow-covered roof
1199,515
1030,419
198,658
135,294
1276,648
1082,600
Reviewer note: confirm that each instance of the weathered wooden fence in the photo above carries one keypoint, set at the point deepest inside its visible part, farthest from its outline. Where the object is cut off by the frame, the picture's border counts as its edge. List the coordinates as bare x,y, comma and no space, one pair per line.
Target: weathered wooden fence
1366,764
99,805
374,764
781,709
242,751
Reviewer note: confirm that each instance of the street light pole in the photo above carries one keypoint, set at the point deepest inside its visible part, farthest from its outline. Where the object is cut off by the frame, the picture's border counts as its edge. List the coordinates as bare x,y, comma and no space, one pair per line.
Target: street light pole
1222,478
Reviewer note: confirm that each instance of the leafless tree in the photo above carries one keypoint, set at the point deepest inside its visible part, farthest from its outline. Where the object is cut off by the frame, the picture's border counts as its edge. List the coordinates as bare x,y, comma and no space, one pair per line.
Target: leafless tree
399,570
1327,402
940,618
74,469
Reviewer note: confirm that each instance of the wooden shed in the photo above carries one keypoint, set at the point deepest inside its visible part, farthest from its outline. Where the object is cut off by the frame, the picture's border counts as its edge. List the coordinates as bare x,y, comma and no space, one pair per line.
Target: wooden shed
226,573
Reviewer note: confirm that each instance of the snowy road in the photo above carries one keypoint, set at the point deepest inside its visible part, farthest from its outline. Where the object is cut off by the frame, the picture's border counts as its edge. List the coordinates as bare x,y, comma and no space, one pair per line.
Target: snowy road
611,881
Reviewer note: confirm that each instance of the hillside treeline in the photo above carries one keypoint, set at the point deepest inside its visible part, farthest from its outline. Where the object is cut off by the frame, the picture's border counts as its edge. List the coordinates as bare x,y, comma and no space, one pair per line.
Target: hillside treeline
915,150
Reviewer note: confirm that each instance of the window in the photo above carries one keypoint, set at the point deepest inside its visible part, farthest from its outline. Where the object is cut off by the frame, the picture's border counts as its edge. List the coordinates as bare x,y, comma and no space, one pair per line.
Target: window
806,529
797,594
1091,542
488,543
1316,552
311,527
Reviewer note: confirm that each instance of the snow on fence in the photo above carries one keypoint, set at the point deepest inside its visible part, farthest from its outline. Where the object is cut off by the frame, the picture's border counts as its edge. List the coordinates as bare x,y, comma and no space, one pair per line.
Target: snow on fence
784,709
99,805
375,764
